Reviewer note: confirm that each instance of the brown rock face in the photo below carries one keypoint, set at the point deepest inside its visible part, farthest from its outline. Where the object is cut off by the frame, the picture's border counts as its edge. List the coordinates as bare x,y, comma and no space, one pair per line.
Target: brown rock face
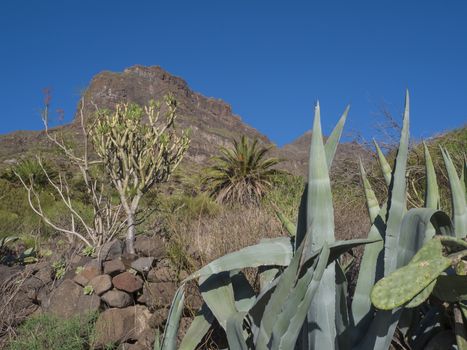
101,284
211,120
88,273
150,246
113,267
158,295
117,298
119,325
127,282
69,300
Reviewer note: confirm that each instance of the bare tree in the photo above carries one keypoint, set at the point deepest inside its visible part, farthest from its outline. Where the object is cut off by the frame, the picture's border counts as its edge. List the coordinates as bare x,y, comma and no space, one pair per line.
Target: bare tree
106,220
138,150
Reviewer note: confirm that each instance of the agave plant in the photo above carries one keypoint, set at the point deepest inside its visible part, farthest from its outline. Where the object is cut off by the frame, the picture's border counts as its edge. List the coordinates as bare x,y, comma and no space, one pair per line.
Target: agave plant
303,297
241,174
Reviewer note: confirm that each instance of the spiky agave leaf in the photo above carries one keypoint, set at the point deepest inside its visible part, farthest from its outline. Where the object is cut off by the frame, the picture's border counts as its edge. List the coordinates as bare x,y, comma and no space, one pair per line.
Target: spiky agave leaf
294,311
320,227
275,251
330,150
459,206
333,140
432,198
198,329
383,163
371,200
380,333
169,340
416,231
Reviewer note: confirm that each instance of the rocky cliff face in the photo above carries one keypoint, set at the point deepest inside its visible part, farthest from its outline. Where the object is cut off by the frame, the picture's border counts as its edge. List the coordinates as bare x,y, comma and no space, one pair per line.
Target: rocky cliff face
212,122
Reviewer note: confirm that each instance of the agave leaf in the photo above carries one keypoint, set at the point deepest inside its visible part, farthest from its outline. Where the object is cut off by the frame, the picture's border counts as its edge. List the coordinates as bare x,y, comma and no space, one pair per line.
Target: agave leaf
371,200
278,297
169,340
371,270
320,222
416,230
244,294
380,333
383,163
343,319
276,251
293,315
302,226
459,206
464,177
397,202
432,192
157,341
198,329
333,140
288,225
218,294
234,332
266,276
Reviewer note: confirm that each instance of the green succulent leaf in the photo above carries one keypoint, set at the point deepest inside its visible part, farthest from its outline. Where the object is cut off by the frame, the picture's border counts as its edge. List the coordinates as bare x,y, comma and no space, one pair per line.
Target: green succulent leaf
294,311
276,251
333,140
169,340
404,284
234,332
383,163
459,206
432,198
198,329
371,200
418,227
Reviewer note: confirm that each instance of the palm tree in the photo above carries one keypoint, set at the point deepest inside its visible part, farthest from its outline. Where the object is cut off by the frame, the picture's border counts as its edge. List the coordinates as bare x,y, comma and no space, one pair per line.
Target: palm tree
241,174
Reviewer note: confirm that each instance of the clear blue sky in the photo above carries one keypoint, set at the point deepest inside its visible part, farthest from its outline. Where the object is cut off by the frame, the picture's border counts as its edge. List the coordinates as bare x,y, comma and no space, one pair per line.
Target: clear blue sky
269,59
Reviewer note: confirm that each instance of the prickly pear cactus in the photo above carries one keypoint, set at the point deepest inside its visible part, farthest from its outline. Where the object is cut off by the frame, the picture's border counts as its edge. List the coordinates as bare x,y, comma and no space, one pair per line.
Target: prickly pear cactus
414,280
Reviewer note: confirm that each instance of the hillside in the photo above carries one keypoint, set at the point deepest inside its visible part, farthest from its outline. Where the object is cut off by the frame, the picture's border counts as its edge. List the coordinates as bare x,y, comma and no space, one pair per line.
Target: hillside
212,121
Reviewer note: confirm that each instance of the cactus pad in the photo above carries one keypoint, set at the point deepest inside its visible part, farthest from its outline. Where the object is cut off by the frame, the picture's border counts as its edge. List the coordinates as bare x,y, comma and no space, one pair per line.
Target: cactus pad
404,284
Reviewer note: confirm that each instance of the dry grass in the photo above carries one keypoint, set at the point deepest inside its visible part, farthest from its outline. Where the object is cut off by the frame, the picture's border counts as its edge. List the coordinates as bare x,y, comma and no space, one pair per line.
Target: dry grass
14,307
231,229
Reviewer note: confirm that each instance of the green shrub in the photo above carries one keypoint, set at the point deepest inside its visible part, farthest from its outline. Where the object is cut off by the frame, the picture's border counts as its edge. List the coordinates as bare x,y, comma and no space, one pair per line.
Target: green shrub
46,332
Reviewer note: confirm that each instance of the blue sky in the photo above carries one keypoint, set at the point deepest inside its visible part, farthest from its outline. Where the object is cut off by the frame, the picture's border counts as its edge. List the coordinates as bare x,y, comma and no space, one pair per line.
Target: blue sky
271,60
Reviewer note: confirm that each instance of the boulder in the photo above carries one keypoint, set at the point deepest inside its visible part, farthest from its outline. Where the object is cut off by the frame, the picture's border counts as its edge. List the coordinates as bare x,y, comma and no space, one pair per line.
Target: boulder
101,284
143,265
150,246
127,282
68,300
111,250
113,267
158,295
162,274
87,274
115,326
117,298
